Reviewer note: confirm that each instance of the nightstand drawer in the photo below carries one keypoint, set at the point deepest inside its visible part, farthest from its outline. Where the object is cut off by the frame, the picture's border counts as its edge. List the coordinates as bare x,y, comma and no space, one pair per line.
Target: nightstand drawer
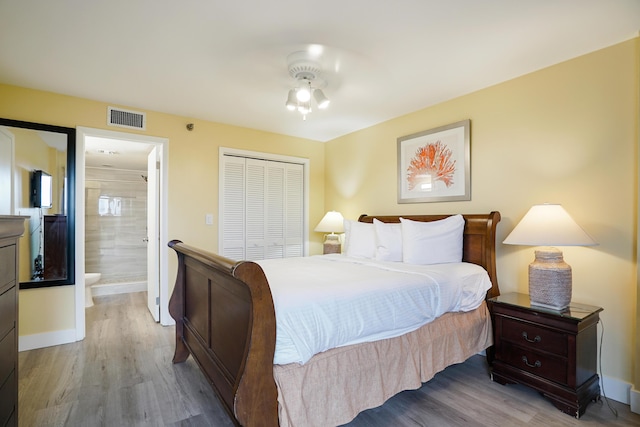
534,337
551,368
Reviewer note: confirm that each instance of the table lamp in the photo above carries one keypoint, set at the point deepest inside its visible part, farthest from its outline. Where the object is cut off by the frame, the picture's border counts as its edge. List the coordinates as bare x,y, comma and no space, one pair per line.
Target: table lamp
549,276
332,222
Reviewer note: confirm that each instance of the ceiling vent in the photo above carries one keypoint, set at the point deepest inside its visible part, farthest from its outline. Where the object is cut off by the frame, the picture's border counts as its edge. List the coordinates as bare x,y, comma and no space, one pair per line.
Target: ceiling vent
126,118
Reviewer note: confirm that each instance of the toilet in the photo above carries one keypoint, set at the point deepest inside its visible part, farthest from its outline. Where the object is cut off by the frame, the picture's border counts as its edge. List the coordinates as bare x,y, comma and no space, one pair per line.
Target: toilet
89,280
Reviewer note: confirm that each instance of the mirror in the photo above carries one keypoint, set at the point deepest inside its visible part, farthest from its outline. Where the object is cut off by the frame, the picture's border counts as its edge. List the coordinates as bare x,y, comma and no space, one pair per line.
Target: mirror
41,186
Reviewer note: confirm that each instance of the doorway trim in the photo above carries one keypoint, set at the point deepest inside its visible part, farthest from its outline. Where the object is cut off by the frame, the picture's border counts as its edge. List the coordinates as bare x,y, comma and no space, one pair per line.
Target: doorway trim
163,144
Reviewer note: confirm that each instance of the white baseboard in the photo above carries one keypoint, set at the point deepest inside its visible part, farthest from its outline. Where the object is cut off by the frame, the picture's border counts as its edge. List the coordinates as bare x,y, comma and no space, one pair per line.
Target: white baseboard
634,400
616,389
47,339
117,288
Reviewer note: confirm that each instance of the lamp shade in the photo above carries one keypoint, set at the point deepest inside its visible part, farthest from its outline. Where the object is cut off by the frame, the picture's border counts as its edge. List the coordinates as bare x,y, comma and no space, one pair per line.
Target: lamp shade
550,278
292,102
332,222
548,225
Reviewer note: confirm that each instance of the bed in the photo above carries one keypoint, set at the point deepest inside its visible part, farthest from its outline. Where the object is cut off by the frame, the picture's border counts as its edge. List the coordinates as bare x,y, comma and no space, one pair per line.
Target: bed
226,319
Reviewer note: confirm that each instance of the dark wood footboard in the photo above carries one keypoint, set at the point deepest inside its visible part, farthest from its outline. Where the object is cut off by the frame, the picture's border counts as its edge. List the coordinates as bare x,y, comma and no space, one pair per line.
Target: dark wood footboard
225,318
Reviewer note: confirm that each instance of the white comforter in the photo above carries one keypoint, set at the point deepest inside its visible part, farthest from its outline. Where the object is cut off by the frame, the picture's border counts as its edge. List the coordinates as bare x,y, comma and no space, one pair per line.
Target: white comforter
329,301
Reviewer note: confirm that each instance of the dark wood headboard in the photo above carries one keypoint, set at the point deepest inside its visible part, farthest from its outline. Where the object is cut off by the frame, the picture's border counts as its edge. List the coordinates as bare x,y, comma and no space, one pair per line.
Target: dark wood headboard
479,244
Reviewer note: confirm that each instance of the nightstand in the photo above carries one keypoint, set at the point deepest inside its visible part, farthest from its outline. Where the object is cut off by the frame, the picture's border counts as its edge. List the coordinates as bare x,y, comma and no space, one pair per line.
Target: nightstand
551,351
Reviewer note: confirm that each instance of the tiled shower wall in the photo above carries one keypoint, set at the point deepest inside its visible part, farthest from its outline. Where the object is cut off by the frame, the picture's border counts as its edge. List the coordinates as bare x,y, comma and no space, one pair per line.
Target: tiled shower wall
116,224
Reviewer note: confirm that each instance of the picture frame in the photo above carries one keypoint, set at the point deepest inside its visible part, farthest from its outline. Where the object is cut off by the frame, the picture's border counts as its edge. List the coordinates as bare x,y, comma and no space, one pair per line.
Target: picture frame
435,165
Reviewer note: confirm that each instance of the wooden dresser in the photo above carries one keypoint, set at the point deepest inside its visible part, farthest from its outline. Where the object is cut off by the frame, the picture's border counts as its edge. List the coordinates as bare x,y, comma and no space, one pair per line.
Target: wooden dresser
11,228
551,351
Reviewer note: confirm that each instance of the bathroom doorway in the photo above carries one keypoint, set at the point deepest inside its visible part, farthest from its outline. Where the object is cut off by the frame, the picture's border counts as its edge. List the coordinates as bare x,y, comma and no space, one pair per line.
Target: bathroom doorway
119,156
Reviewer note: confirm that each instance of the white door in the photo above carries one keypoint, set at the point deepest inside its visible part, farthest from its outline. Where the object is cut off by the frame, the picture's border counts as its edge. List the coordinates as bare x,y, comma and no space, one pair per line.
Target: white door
6,172
232,213
255,241
153,241
275,210
294,212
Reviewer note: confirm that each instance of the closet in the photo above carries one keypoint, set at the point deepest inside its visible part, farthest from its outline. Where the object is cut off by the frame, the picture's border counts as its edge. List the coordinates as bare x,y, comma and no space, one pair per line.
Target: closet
262,208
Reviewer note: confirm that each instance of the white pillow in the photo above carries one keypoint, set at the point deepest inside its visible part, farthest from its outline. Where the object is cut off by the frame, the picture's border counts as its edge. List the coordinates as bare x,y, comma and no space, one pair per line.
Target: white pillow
360,239
388,241
435,242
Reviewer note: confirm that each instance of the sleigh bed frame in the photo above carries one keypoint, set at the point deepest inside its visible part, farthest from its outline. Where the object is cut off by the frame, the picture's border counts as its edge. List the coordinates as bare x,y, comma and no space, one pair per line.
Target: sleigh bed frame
225,318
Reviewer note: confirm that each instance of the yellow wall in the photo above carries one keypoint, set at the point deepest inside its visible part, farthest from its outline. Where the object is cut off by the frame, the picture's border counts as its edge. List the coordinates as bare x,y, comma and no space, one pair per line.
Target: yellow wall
566,134
46,309
193,180
193,177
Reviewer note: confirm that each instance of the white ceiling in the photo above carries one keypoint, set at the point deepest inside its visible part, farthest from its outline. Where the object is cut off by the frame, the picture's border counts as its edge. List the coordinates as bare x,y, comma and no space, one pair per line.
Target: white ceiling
116,153
225,61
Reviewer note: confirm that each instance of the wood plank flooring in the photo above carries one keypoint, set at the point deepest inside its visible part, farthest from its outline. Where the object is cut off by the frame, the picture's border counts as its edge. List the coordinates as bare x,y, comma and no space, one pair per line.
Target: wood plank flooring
122,375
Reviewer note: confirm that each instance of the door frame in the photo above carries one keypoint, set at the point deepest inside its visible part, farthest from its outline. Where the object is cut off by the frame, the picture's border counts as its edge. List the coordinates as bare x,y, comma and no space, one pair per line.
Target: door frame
152,235
163,144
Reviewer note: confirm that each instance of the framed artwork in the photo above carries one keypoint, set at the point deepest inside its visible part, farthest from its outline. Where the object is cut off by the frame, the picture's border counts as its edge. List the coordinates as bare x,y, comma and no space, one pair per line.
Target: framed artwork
435,165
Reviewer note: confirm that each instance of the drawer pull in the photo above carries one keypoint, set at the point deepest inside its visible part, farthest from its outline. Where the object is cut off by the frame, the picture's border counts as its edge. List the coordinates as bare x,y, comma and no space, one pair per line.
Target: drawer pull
535,339
535,365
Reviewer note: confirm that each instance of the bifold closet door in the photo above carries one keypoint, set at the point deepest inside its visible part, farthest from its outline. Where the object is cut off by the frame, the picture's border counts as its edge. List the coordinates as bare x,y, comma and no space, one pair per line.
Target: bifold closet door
262,209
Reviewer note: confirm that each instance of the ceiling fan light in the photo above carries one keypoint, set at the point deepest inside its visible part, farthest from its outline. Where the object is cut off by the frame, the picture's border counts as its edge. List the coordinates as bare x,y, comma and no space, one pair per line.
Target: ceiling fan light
291,103
321,99
304,108
303,94
302,66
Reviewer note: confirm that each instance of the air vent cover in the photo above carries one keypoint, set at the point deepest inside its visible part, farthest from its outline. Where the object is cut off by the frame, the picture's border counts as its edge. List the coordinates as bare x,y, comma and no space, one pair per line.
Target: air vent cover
126,118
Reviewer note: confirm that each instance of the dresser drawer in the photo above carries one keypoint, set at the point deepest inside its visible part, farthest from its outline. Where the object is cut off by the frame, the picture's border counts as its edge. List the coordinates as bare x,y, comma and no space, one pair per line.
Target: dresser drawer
7,311
8,400
13,421
7,355
534,337
7,264
542,365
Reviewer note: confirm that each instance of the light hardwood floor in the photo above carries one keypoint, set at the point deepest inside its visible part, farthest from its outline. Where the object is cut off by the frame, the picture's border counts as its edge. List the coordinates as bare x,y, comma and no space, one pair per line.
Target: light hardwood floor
122,375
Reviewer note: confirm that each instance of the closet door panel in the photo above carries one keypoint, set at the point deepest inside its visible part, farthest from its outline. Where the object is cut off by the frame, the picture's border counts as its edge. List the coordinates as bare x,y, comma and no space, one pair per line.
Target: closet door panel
274,209
294,212
233,208
256,171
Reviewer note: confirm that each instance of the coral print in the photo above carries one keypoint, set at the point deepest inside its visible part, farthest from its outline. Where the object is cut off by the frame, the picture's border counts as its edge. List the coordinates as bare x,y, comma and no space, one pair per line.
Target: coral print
433,159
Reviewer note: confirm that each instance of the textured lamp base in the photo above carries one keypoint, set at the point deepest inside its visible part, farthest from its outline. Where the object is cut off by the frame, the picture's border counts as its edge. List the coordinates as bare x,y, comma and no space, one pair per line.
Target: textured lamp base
550,280
332,244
